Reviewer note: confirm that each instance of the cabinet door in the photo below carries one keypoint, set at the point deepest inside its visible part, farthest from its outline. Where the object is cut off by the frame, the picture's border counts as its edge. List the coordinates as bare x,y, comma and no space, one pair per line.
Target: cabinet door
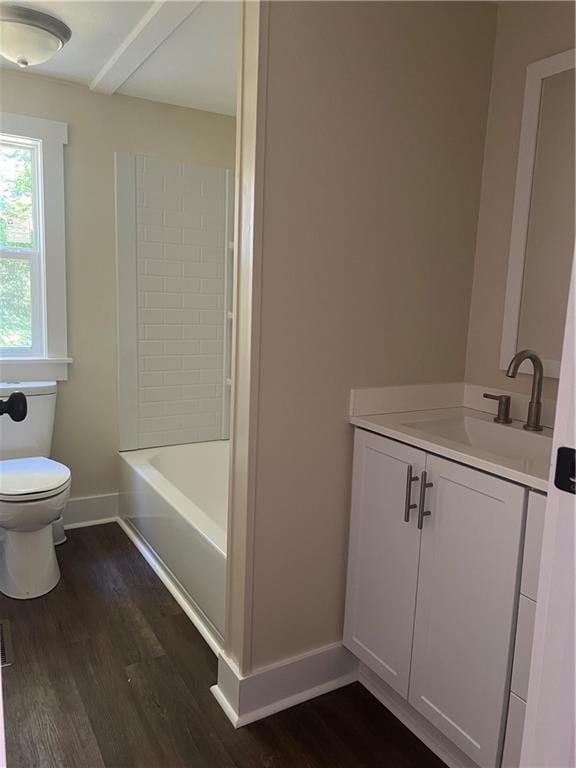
383,557
467,595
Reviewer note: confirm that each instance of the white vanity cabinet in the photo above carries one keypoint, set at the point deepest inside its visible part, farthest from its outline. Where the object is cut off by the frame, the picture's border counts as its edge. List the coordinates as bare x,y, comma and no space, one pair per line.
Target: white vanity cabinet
431,609
384,553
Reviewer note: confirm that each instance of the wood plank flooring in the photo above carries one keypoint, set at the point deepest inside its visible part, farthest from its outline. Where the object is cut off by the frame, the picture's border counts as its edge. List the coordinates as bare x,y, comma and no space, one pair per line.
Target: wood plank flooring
109,673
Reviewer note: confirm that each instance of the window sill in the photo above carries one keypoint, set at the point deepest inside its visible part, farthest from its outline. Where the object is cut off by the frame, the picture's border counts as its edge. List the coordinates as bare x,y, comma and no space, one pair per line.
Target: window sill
34,368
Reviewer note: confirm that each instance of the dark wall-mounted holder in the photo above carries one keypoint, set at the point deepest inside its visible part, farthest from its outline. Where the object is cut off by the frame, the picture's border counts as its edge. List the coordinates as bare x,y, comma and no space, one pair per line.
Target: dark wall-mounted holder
565,475
16,406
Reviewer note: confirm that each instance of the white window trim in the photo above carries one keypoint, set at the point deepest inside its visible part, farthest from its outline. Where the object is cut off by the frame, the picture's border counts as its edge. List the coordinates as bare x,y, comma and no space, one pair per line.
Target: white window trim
34,256
54,364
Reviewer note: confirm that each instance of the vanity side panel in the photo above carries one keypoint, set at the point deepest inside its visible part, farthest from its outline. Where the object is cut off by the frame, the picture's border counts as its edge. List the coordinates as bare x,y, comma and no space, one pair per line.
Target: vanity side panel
514,732
523,647
533,544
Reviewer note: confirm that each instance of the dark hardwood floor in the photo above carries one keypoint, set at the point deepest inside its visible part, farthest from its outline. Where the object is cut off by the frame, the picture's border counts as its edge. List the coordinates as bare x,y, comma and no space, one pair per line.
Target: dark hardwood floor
109,672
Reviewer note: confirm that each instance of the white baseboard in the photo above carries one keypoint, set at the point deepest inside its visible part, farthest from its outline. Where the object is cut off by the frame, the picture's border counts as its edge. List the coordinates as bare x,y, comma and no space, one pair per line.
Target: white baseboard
246,699
420,727
91,510
183,599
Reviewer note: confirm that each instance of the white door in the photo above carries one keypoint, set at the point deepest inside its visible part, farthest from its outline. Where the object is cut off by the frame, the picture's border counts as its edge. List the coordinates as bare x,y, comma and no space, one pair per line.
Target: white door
550,715
467,594
383,557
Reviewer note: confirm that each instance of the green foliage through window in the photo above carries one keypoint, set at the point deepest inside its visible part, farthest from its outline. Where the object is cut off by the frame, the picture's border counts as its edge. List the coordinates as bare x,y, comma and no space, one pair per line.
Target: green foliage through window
16,206
15,303
16,233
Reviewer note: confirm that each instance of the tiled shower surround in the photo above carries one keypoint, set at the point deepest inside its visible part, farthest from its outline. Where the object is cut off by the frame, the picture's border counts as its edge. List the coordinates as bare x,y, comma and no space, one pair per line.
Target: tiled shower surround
183,217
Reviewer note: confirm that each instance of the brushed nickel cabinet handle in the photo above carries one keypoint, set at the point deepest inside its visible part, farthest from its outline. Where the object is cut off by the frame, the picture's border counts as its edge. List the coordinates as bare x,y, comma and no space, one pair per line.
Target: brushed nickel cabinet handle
421,512
410,478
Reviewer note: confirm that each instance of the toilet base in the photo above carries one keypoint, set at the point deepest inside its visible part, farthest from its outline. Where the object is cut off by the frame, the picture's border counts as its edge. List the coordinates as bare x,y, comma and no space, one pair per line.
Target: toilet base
58,532
28,564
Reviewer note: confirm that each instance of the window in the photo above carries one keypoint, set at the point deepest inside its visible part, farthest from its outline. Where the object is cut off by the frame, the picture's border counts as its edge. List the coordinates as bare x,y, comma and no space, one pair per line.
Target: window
22,249
32,249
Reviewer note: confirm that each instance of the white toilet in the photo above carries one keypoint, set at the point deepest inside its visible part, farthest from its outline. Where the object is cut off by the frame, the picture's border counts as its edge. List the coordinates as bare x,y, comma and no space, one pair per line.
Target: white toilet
33,493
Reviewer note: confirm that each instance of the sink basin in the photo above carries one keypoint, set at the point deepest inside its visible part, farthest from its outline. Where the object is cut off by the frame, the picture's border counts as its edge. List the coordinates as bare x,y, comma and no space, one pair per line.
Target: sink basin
472,438
481,433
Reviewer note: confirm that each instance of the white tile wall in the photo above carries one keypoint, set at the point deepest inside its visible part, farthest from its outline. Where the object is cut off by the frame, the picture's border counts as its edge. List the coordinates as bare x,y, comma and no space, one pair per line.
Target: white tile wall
182,240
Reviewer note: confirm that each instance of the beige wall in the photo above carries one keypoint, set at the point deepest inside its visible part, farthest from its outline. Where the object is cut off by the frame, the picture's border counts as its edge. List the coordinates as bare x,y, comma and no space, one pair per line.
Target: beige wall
526,32
86,435
375,125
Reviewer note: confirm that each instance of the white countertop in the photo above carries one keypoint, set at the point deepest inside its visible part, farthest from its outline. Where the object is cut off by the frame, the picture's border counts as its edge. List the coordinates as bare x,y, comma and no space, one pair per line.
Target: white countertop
531,472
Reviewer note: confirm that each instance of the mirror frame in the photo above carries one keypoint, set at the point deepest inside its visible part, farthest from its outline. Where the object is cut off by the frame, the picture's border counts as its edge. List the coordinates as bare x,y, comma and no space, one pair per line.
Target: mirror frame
535,74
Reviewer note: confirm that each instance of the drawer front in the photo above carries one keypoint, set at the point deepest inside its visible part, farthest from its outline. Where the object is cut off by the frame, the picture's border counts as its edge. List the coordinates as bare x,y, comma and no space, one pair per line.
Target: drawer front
514,731
533,544
523,647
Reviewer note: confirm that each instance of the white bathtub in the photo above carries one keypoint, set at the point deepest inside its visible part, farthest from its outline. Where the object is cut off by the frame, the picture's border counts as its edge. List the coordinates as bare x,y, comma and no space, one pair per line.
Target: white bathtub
177,500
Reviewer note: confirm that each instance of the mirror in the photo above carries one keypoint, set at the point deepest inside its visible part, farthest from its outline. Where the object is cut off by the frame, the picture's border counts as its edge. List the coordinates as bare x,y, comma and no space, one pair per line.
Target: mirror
542,241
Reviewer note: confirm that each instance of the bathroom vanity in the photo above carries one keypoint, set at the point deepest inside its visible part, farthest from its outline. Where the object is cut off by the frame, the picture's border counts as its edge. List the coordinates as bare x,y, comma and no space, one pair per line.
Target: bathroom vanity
446,528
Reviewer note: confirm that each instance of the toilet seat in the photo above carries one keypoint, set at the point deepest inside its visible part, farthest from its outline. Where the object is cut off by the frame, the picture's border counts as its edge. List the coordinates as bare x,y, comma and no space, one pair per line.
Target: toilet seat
33,494
32,479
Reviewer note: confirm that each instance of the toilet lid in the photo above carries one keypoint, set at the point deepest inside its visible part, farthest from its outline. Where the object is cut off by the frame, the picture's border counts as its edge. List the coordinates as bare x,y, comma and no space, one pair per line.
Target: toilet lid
25,477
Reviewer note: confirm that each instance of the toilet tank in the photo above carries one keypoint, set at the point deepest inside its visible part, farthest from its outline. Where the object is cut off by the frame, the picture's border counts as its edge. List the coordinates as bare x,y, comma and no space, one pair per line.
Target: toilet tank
33,436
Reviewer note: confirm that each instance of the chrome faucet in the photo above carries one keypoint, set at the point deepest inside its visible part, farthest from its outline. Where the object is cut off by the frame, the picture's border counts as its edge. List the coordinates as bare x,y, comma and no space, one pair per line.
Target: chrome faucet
535,405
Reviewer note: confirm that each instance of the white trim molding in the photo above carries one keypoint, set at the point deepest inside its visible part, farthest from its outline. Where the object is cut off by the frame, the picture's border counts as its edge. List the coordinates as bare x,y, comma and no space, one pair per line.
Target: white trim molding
535,75
91,510
152,30
271,689
247,300
34,127
125,169
34,369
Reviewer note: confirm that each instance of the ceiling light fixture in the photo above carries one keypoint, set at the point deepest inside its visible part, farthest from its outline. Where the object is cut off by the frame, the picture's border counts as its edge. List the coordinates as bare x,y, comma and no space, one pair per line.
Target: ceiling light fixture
29,37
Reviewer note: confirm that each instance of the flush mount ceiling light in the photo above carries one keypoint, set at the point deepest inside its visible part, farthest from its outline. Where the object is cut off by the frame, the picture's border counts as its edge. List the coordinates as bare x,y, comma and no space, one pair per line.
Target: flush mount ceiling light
29,37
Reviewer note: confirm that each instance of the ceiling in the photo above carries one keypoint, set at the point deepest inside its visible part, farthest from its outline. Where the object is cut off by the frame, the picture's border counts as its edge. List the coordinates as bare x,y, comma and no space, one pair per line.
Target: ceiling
178,52
205,79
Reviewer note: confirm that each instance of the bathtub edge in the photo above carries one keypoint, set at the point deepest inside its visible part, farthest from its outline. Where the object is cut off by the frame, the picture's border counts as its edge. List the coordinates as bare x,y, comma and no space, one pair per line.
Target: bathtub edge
181,597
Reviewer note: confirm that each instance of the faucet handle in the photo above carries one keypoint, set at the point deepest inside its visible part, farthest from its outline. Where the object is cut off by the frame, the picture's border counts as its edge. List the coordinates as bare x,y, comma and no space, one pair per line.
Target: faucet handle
503,416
